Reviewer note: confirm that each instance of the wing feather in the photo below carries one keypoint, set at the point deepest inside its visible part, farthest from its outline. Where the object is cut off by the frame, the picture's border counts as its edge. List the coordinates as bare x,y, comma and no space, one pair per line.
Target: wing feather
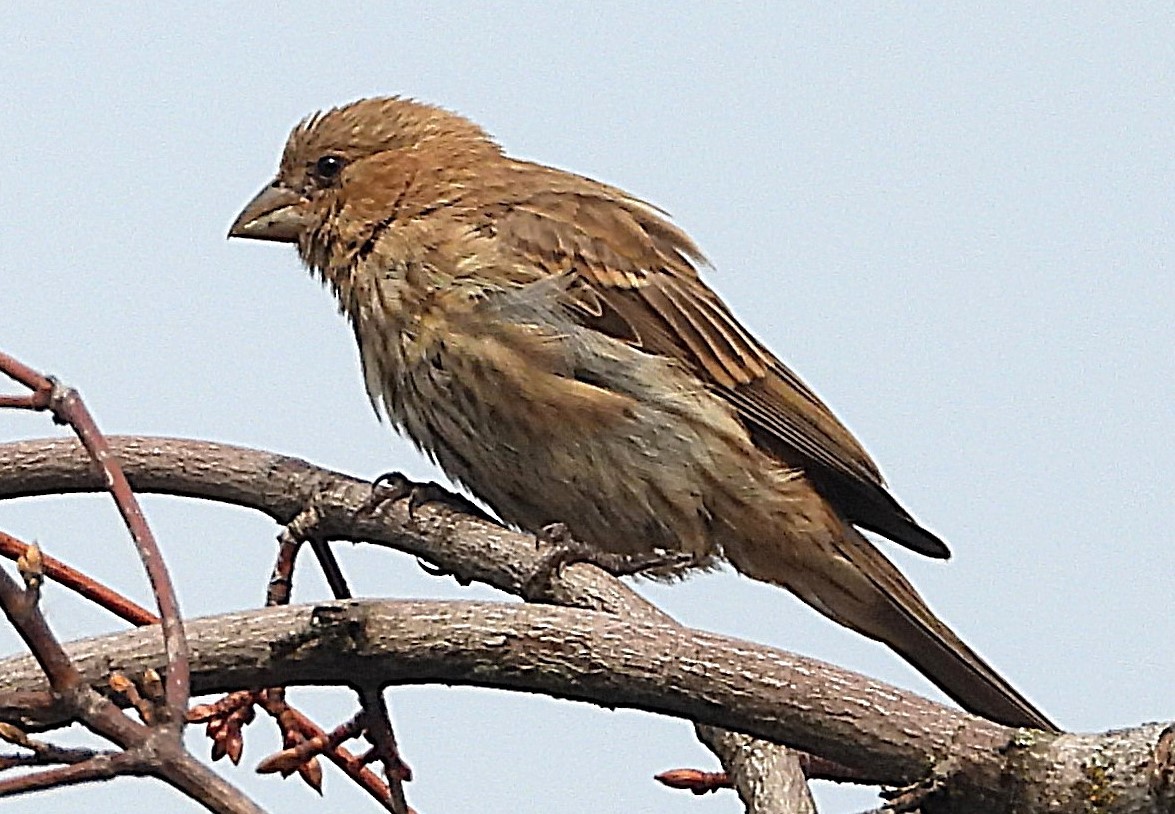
636,279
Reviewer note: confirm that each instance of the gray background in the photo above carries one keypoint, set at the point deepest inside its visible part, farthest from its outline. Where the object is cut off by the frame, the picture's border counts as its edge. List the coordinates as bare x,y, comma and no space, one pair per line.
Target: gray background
955,222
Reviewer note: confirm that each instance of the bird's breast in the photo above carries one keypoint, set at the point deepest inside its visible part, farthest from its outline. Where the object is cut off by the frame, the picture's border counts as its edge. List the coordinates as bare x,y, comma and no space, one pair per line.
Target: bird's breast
548,421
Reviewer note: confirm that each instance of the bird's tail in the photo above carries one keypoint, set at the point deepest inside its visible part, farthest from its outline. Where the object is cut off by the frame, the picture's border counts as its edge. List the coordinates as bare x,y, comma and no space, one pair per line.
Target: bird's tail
894,613
863,590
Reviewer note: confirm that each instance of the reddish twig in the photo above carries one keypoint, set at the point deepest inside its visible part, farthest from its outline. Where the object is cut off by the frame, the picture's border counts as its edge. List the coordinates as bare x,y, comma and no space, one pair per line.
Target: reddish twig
42,386
374,715
281,580
273,701
695,780
311,742
350,764
292,757
154,750
303,740
76,581
378,724
68,408
315,741
22,402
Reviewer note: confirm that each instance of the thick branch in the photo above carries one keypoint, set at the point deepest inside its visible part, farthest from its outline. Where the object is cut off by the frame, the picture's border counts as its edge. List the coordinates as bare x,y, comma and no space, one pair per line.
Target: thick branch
563,652
613,661
284,487
886,734
577,654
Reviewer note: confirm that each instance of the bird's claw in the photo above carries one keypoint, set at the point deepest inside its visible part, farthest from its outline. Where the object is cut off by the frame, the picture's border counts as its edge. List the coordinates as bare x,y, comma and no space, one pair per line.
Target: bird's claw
433,492
563,549
392,486
387,488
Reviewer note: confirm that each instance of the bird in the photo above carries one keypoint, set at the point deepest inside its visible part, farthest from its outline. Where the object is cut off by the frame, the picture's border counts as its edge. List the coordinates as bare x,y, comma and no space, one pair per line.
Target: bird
549,342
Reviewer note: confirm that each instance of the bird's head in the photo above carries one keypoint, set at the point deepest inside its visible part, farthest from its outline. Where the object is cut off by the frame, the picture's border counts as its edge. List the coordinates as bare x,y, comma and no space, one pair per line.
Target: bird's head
349,172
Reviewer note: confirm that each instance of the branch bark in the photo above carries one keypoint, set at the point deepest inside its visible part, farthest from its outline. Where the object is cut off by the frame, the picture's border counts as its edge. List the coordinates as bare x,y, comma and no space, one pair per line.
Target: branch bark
284,487
892,737
613,661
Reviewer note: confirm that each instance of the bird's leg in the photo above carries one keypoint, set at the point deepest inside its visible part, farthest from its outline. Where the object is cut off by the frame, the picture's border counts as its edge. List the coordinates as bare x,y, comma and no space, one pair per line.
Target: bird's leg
562,549
392,486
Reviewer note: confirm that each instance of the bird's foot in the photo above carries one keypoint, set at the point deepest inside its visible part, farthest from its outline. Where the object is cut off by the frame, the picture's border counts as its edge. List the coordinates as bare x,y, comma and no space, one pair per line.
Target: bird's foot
387,488
392,486
562,549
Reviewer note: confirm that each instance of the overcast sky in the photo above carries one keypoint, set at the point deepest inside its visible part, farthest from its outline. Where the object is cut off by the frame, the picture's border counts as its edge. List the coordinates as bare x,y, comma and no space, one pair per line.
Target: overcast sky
954,222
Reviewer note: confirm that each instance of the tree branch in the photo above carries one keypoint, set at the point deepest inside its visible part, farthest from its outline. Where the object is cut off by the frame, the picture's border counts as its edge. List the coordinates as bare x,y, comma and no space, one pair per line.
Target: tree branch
891,736
284,488
613,661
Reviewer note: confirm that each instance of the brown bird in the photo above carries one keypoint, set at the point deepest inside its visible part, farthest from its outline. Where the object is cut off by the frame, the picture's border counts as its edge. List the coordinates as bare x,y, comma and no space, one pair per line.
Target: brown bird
548,341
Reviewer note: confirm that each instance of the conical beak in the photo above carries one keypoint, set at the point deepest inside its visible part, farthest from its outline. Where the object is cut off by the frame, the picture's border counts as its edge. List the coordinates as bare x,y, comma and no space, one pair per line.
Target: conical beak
277,213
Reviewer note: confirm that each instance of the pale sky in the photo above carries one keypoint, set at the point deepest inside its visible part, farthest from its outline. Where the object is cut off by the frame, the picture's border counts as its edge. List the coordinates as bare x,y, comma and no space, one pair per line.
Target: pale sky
956,224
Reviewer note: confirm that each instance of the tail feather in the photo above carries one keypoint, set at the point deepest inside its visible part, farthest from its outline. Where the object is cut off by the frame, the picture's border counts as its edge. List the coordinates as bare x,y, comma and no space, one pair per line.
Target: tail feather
830,565
883,605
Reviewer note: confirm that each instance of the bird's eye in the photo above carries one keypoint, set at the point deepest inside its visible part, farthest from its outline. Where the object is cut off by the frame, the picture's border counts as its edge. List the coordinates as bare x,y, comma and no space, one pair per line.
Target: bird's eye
328,167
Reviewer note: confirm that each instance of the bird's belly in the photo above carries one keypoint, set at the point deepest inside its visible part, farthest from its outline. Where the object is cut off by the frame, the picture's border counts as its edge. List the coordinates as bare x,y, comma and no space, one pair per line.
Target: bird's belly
626,483
605,484
622,447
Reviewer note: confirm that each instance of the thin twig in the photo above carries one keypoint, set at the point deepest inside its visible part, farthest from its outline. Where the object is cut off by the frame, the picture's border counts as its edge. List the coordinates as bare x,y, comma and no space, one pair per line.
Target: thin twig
48,756
349,763
156,750
99,767
81,584
68,407
294,756
335,579
378,724
25,615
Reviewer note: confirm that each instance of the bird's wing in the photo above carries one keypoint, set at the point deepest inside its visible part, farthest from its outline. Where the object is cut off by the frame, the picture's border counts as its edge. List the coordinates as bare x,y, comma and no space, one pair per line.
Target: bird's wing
636,279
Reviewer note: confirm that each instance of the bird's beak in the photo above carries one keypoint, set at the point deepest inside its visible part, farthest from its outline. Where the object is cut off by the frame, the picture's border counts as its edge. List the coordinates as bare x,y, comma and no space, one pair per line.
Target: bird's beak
277,213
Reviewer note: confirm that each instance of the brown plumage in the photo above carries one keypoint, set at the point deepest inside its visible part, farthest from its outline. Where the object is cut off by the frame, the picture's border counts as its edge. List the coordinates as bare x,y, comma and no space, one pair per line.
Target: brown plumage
547,340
